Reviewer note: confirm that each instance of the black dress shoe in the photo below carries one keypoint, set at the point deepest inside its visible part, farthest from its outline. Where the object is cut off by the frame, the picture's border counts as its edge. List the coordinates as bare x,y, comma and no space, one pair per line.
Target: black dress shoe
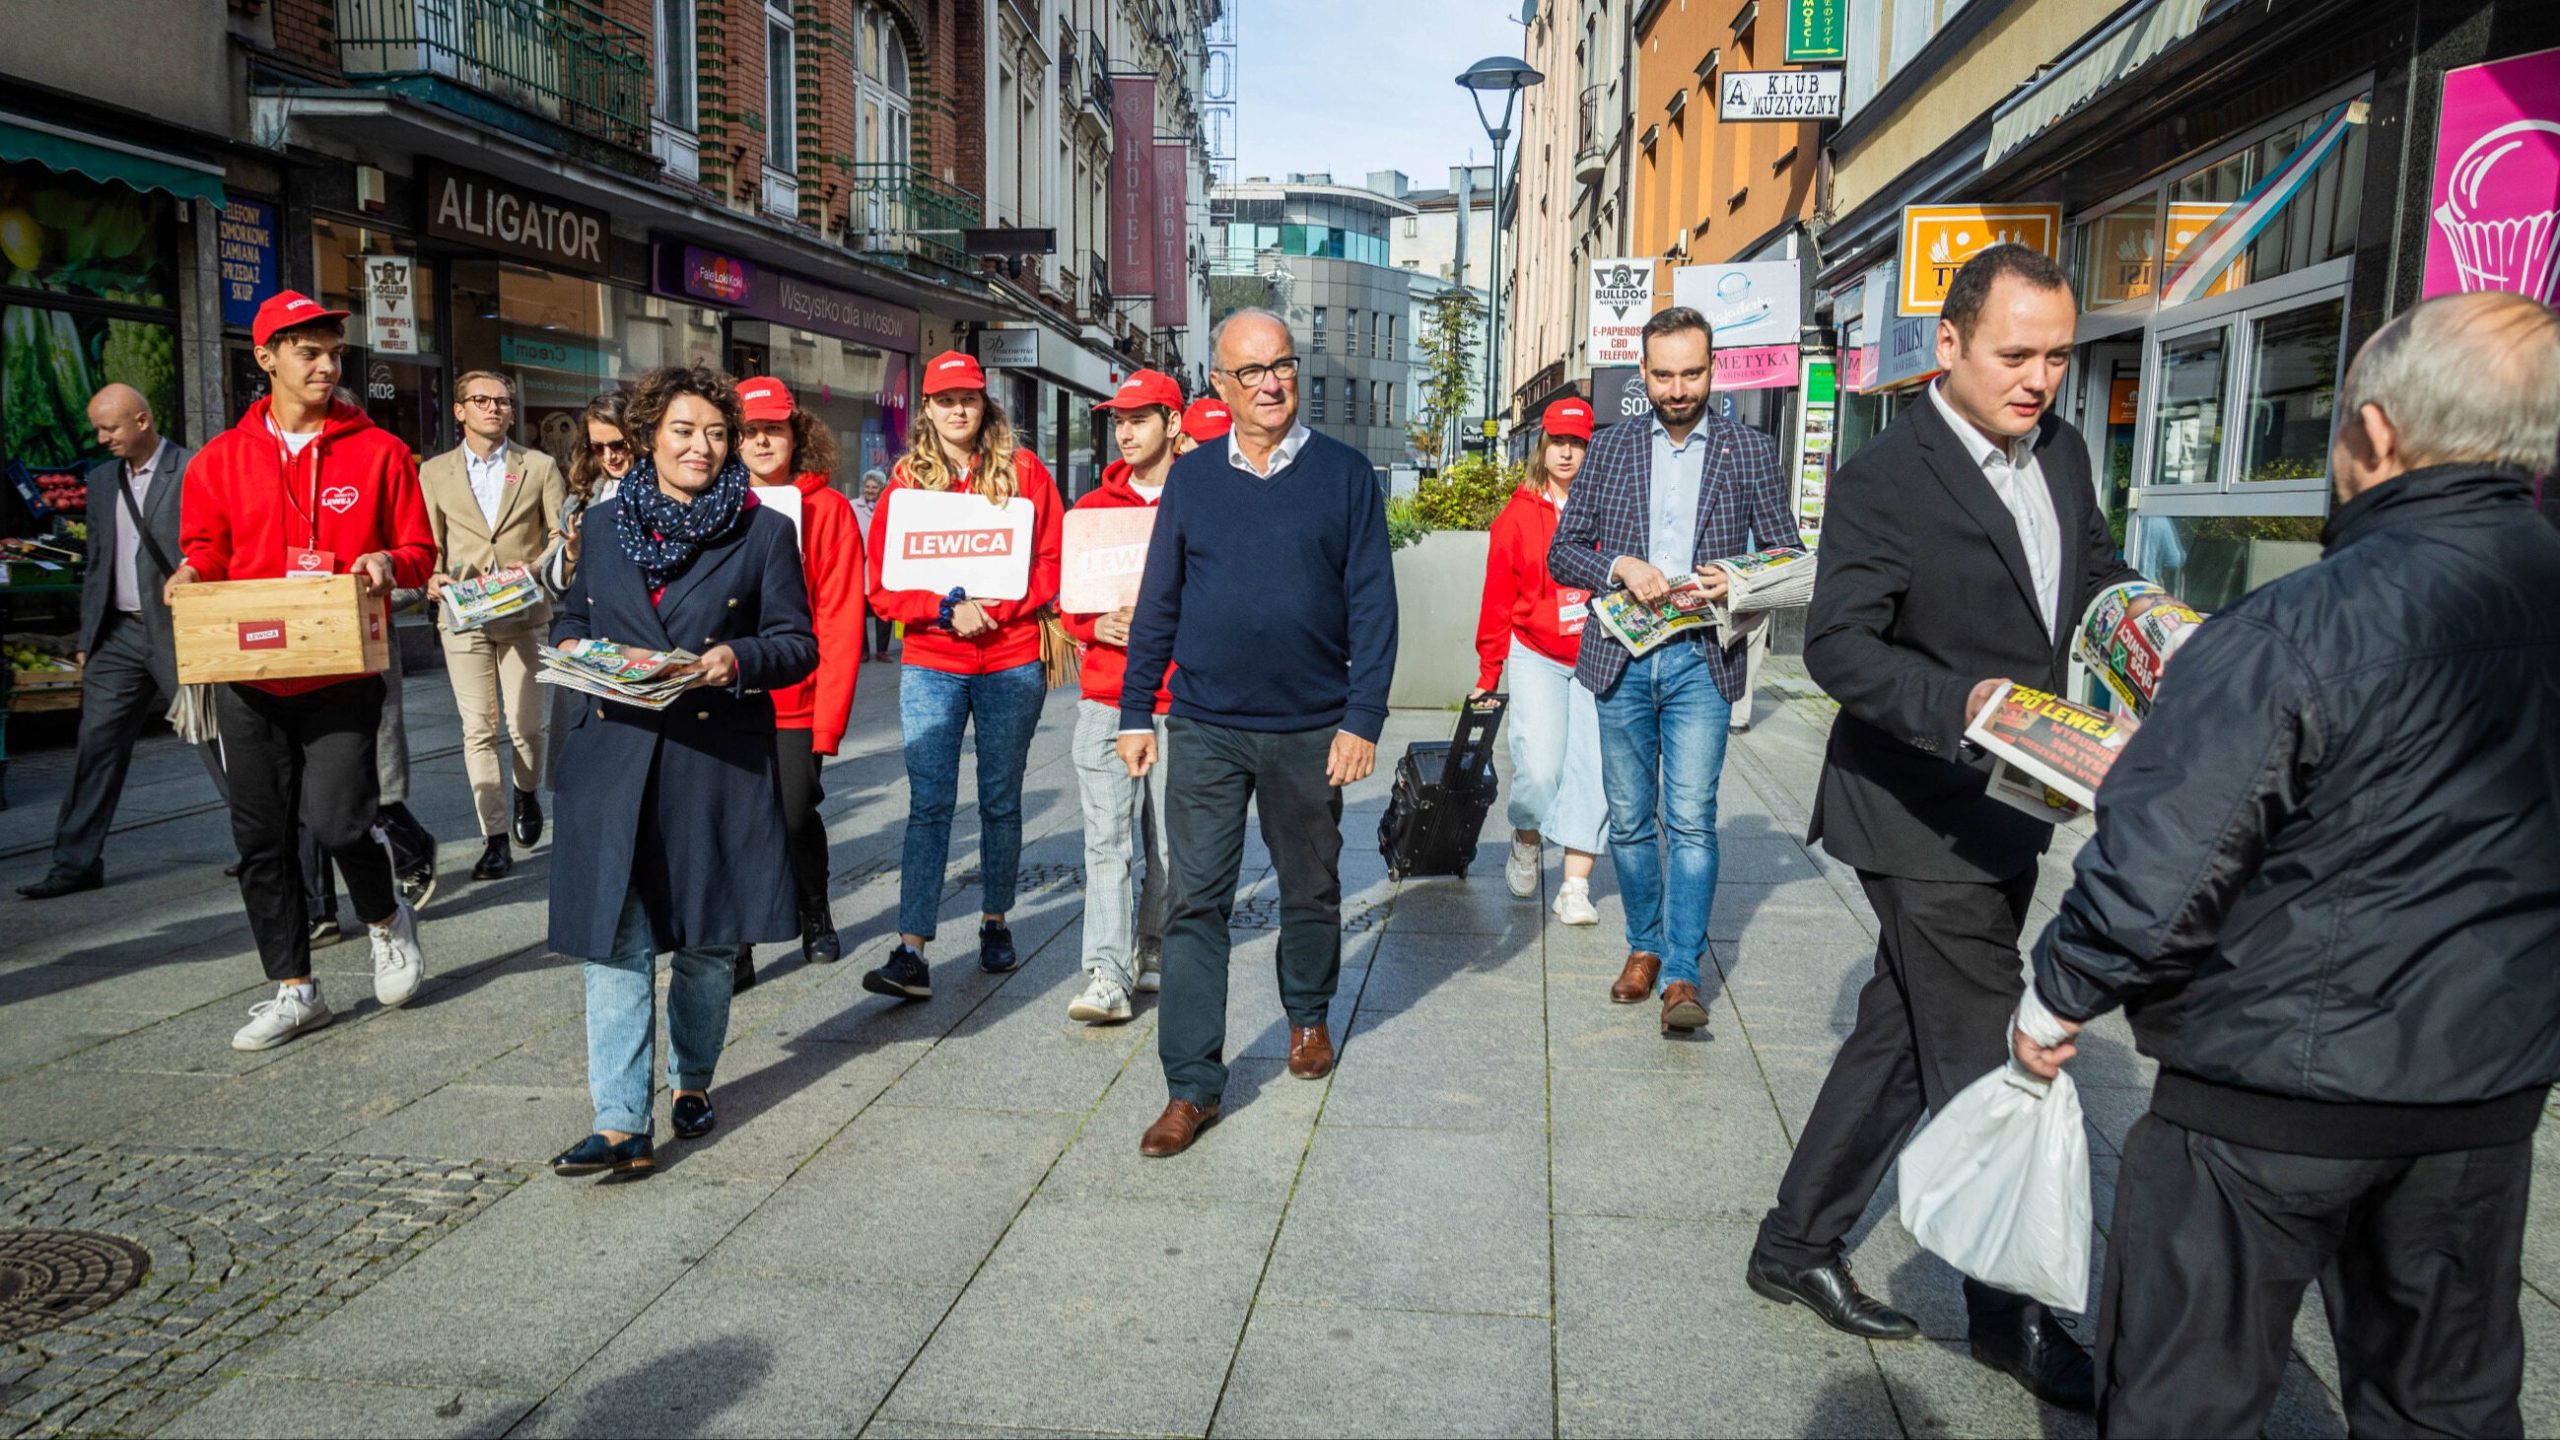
742,970
596,1155
1831,1293
694,1116
995,948
495,861
2033,1349
231,871
54,887
528,826
818,942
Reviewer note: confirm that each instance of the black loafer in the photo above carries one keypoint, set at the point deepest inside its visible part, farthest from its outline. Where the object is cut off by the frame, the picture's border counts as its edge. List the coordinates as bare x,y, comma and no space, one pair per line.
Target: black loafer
528,819
596,1155
1830,1292
231,871
2034,1350
903,975
742,970
694,1116
495,861
995,948
53,887
818,942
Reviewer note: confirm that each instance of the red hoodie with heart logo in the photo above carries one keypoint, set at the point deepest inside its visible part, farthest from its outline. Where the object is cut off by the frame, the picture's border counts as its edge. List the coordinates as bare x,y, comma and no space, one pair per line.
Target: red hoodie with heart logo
353,491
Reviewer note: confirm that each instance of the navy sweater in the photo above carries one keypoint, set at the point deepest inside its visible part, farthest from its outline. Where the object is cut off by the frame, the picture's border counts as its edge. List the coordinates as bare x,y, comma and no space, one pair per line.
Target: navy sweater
1274,598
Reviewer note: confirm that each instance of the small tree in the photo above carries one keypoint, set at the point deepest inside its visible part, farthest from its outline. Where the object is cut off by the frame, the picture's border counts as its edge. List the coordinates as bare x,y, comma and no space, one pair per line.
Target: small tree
1448,370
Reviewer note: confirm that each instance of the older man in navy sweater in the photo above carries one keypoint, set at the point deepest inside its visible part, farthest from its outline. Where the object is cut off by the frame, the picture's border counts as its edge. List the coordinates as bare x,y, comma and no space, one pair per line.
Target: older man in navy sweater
1268,589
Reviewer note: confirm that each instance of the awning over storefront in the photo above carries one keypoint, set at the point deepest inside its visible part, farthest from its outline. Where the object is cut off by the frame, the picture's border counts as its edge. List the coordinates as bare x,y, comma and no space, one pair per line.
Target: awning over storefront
71,152
2126,47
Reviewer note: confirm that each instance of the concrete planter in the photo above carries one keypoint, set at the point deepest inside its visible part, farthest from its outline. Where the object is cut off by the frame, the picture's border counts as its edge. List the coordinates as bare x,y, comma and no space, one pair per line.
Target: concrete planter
1439,583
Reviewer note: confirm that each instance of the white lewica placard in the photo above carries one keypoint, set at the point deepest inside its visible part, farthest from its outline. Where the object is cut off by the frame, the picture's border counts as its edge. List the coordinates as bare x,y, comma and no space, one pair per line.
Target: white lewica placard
954,540
1779,95
1103,557
1747,303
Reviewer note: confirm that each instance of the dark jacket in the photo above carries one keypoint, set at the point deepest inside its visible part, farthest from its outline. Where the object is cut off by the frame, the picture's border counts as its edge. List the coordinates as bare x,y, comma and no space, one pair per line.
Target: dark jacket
681,802
107,519
1923,592
2328,867
1742,507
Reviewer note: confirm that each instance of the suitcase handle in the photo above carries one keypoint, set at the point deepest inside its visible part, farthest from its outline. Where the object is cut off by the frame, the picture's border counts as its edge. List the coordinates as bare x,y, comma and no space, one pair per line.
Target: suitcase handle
1471,748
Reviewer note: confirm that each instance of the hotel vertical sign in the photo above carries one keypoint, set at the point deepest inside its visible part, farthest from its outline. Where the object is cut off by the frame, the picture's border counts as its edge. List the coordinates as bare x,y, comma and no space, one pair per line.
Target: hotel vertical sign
1133,170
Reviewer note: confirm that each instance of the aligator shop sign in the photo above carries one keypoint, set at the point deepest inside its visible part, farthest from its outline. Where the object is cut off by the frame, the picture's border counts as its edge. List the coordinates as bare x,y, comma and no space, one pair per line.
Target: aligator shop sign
691,272
493,214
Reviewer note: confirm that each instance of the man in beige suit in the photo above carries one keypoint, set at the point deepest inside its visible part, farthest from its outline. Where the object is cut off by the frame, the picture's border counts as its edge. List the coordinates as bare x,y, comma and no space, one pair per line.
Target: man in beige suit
495,503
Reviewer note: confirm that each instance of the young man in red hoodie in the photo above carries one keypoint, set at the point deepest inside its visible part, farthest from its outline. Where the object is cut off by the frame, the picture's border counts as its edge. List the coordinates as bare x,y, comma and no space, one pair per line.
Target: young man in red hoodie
1146,419
304,485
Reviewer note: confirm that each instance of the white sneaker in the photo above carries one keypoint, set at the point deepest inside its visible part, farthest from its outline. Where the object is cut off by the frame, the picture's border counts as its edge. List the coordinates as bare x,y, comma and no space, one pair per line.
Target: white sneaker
273,1022
1520,872
1150,971
398,964
1102,1003
1573,904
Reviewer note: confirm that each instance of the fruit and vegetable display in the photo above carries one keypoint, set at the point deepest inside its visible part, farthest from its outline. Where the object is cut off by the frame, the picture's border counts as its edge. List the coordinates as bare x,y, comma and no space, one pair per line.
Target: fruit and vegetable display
68,236
64,490
32,668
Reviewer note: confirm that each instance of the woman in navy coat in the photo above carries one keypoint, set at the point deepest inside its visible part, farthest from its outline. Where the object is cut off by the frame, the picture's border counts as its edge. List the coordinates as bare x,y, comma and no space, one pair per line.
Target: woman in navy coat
670,833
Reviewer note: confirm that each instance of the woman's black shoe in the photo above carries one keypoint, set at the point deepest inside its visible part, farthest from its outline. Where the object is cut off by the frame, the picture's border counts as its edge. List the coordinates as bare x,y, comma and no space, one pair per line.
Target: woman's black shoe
742,970
694,1116
596,1155
818,942
995,948
904,975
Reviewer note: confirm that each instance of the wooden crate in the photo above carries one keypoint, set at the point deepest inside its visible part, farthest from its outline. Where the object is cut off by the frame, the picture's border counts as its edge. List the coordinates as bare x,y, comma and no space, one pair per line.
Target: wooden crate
236,630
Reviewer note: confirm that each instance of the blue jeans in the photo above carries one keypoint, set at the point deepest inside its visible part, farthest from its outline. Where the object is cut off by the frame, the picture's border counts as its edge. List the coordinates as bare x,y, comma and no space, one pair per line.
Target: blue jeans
622,1020
933,707
1662,735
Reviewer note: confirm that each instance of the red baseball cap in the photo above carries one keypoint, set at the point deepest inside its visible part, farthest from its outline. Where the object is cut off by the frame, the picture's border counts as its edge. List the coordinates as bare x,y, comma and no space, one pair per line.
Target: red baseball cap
952,370
765,398
286,309
1568,417
1147,387
1207,420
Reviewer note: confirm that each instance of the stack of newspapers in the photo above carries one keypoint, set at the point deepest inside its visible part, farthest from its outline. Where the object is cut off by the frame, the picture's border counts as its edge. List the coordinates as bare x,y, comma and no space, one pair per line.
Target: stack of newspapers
507,590
616,672
2127,650
1755,584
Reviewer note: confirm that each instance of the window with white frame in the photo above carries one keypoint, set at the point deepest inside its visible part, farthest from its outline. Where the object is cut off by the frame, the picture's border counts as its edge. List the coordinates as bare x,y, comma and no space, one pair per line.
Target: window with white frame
882,105
781,89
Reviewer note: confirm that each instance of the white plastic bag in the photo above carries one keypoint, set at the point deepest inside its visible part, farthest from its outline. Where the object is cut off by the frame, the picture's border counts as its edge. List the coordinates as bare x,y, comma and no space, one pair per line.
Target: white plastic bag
1997,1184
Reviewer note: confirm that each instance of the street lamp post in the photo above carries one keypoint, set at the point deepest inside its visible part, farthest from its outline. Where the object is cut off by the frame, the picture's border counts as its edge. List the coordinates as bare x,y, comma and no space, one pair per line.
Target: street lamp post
1495,75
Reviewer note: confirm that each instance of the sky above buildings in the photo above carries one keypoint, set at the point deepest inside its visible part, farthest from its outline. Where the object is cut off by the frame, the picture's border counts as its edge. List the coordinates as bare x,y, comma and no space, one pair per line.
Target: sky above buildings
1351,86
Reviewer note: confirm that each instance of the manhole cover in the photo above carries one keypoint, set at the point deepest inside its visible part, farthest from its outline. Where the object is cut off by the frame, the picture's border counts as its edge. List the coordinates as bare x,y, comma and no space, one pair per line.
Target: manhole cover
52,1277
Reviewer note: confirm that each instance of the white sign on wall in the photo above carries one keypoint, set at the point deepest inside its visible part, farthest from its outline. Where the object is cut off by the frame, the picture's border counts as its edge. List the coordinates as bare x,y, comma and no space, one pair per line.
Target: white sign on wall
1779,95
1621,301
1747,303
946,540
1009,349
391,304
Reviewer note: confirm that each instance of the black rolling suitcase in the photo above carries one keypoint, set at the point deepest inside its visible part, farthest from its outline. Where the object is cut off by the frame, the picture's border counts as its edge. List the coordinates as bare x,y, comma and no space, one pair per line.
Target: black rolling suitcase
1443,788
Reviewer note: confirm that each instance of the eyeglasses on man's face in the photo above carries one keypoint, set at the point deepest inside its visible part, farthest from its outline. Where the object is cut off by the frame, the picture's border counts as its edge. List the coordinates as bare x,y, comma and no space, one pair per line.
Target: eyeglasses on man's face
489,402
1285,369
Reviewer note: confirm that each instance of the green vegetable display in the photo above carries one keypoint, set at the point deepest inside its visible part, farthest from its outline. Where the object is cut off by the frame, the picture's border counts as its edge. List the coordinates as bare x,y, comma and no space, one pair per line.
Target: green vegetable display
144,356
32,425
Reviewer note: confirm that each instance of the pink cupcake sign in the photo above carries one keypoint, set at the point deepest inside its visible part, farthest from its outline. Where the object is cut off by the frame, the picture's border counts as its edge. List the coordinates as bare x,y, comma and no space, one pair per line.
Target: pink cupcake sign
2494,214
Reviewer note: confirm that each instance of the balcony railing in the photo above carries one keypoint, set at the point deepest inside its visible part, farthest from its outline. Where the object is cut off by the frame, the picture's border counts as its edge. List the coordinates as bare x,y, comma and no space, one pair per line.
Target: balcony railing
1097,269
904,215
1590,145
565,61
1097,69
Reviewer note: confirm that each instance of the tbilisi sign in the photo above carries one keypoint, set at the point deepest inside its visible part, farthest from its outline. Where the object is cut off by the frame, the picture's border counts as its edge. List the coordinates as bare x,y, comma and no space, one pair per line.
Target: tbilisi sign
1792,95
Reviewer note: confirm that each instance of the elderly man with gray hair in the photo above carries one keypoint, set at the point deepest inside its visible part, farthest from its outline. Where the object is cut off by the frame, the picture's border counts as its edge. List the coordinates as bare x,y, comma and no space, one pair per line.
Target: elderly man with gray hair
2325,886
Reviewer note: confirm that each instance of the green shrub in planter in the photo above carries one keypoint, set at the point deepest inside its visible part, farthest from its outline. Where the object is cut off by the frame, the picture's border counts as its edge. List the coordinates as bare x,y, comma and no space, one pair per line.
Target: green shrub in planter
1466,495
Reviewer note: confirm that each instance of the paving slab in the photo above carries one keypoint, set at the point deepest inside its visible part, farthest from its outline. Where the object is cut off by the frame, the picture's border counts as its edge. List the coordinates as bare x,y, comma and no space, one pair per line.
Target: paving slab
1417,1220
260,1407
1388,1373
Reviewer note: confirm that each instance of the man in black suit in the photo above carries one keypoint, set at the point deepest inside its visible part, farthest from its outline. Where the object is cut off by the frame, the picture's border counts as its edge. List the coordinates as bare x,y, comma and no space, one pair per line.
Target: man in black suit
130,665
1960,548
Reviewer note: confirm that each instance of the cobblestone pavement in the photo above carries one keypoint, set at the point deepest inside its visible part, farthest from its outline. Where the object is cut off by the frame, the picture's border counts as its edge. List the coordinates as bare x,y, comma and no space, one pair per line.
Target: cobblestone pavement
1513,1209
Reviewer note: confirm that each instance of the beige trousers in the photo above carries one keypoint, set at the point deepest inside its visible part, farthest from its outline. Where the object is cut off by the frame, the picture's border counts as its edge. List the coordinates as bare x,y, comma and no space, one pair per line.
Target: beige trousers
492,669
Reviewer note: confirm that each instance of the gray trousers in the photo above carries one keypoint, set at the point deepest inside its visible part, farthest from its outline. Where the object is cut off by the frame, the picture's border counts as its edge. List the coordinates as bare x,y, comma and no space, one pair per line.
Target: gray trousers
1115,806
125,686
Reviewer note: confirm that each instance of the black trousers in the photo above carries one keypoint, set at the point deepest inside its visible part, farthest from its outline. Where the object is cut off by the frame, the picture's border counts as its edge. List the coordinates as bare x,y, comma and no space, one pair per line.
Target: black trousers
1216,771
1933,1019
122,690
303,759
804,834
2419,1264
409,841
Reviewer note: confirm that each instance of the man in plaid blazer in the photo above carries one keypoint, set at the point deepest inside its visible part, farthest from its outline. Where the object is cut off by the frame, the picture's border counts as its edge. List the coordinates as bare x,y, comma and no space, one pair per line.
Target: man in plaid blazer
1657,498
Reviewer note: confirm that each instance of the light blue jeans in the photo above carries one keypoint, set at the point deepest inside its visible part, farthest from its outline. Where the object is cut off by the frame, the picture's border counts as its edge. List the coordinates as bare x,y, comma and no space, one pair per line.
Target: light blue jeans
1662,736
934,706
622,1020
1120,814
1555,753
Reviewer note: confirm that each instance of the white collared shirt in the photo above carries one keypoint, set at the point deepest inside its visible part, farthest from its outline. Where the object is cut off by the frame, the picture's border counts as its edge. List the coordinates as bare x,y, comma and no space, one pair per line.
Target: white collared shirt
1281,455
2017,477
488,481
128,566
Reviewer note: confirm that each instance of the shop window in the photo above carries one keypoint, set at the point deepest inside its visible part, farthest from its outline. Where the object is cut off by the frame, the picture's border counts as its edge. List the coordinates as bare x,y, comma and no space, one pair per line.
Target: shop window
2318,224
394,366
89,297
2117,254
2189,448
2293,393
674,101
781,104
2210,561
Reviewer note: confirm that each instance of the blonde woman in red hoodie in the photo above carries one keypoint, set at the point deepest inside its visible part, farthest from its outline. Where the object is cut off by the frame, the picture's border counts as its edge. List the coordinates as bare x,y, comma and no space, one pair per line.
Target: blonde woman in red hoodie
306,485
1146,424
1533,626
787,448
965,660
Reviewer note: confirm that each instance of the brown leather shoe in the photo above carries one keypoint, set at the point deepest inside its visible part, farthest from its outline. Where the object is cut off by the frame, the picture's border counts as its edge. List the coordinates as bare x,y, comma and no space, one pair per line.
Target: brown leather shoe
1636,981
1174,1130
1310,1052
1681,1009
